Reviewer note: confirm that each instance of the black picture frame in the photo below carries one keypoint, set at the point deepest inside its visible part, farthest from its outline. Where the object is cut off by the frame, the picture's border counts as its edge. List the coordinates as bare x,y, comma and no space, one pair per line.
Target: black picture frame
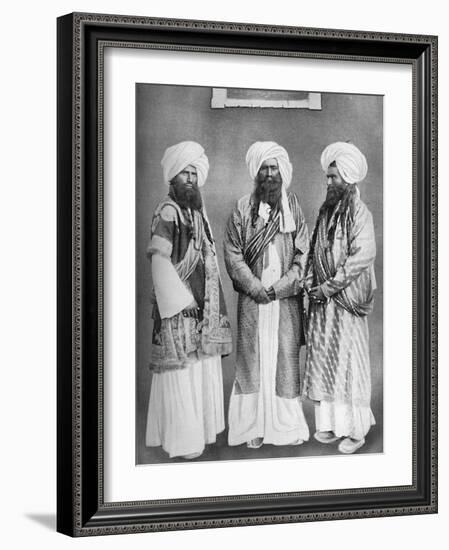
81,510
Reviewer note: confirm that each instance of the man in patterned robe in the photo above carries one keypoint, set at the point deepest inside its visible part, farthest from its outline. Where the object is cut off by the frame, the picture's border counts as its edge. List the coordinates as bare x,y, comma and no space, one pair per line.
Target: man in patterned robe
266,244
341,285
191,329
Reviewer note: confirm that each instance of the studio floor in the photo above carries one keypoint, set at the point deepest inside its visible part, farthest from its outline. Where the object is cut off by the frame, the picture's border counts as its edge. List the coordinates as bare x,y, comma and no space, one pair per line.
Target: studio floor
222,451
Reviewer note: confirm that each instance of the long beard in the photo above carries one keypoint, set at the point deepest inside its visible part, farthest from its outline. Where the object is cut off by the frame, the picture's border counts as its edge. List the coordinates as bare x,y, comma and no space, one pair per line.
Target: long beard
333,196
186,197
268,189
344,214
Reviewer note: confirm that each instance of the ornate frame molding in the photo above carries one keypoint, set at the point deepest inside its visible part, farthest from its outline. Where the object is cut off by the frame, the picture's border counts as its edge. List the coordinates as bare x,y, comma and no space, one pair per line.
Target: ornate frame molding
81,42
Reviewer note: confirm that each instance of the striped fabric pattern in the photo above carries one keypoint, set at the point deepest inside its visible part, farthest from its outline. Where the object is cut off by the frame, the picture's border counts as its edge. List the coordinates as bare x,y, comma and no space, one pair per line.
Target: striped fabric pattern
337,358
261,240
337,349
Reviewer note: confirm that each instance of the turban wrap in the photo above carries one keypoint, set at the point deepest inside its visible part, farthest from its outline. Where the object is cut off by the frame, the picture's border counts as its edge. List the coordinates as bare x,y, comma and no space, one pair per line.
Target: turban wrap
350,161
257,154
181,155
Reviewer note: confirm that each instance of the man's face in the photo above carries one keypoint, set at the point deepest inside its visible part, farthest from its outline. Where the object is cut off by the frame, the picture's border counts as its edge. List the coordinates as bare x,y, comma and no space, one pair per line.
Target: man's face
185,188
336,185
269,182
188,177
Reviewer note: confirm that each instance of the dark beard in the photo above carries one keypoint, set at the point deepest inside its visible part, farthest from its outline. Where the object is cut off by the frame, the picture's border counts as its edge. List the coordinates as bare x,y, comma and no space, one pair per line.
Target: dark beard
268,189
186,197
333,196
344,214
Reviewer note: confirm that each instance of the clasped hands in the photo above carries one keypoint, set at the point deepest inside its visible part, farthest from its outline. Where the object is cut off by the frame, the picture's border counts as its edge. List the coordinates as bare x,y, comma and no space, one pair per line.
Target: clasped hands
317,295
265,296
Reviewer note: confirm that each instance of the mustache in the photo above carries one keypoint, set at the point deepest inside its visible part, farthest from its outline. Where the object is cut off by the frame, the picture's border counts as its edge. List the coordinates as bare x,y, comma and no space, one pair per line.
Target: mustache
264,180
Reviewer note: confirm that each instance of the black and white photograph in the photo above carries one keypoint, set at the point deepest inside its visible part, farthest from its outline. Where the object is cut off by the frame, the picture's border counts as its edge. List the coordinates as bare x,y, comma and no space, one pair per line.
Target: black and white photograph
223,296
259,273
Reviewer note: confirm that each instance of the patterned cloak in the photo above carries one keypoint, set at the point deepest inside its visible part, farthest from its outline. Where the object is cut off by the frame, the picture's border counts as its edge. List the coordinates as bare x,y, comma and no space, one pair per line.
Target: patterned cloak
185,238
292,248
337,357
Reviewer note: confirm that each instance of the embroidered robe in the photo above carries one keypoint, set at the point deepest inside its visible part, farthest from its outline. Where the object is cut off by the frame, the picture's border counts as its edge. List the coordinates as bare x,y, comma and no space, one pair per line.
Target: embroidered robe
245,269
184,237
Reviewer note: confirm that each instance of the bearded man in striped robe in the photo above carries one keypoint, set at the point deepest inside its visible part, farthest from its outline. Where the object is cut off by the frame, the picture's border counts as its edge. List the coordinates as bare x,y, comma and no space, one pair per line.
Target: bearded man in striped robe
266,244
341,285
191,328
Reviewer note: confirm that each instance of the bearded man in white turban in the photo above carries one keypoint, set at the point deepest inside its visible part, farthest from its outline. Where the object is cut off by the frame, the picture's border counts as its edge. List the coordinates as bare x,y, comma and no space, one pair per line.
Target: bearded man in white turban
341,285
191,329
266,245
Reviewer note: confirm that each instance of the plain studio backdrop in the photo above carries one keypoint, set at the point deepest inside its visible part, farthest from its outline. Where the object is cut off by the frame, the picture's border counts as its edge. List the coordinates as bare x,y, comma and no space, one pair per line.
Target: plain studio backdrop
182,113
28,221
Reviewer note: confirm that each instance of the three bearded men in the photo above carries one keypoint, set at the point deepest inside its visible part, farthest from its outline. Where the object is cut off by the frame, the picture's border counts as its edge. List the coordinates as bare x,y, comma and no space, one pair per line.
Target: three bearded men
271,263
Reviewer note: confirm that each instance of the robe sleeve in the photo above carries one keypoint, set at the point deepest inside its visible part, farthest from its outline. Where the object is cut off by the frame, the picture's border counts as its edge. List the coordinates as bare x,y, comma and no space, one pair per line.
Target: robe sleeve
361,255
291,283
242,277
172,295
308,279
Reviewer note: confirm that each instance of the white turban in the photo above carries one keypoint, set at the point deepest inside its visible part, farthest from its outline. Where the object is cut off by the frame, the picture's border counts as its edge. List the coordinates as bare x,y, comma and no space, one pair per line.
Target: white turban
179,156
261,151
350,161
257,154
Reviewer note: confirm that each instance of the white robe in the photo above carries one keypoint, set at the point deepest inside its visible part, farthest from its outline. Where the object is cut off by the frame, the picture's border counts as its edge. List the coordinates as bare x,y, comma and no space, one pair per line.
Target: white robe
344,419
278,420
185,410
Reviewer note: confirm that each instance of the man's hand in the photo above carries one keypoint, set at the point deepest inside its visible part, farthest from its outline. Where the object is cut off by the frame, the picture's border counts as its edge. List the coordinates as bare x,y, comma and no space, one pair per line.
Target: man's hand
192,310
271,294
317,295
262,297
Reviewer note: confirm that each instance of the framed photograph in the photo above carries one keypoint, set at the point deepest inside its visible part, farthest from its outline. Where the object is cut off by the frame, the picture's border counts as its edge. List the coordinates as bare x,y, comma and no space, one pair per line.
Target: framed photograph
247,276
